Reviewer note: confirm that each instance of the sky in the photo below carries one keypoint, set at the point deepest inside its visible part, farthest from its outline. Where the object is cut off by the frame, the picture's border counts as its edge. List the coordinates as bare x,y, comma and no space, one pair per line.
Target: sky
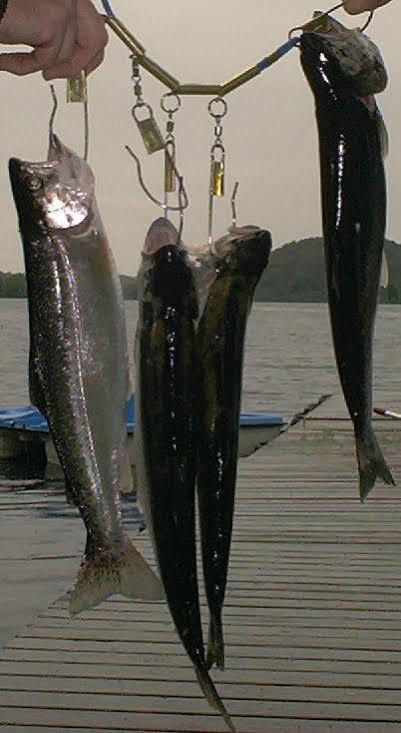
269,132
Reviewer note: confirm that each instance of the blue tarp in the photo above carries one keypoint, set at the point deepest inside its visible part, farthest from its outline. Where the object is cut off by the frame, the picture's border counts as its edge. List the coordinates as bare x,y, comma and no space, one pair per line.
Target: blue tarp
29,418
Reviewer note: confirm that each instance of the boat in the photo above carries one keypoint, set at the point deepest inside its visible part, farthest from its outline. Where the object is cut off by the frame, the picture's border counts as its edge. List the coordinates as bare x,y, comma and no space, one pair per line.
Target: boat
24,434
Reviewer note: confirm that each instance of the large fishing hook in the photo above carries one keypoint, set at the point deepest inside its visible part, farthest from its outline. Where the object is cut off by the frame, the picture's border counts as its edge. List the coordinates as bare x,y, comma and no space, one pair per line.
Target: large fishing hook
182,194
53,115
233,204
53,112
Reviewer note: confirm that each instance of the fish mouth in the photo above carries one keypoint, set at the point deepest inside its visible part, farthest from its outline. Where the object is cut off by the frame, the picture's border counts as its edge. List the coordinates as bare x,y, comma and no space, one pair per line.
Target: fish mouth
56,152
15,168
20,171
162,233
352,60
16,177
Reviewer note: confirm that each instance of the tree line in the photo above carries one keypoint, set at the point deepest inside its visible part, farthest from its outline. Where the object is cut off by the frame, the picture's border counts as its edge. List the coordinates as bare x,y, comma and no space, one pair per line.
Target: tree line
295,273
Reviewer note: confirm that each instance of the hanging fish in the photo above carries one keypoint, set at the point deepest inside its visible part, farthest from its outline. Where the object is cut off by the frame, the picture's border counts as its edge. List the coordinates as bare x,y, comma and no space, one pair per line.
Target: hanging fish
167,392
78,363
240,261
344,70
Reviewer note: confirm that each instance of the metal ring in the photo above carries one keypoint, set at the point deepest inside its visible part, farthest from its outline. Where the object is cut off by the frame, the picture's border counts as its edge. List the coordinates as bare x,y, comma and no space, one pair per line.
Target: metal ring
218,146
139,105
172,96
292,31
218,100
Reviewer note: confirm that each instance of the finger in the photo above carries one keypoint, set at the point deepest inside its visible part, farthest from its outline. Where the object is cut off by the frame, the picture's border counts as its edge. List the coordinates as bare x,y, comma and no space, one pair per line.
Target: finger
67,69
79,60
95,63
354,7
67,46
22,63
92,33
82,58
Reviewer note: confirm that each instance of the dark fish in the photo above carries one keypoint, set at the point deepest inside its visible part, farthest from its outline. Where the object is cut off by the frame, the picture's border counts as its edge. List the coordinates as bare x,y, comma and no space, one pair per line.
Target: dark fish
220,343
344,69
166,397
78,364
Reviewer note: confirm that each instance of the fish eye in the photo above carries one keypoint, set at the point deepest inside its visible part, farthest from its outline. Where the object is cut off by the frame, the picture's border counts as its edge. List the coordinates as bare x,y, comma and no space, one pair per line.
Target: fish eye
34,183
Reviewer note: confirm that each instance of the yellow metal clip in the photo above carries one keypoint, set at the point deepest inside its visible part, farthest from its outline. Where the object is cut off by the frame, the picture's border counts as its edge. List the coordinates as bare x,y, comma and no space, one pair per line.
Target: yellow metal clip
77,89
149,129
217,177
169,174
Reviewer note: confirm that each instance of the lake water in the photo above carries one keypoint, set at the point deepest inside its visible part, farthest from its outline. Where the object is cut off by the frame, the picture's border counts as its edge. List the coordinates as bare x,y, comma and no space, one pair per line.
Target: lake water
289,360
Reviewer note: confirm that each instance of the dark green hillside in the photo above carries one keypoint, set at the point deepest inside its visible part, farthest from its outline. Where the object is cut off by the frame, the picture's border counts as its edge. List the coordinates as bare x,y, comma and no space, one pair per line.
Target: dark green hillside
295,274
14,286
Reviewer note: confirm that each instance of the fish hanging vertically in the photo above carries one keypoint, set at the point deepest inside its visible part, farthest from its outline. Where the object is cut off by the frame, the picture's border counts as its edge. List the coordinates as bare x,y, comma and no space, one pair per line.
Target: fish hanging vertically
167,392
240,261
344,70
78,363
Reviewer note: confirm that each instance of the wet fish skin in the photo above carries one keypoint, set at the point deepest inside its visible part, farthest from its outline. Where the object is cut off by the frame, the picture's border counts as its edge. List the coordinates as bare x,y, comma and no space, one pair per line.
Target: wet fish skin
166,393
78,362
220,344
353,191
356,64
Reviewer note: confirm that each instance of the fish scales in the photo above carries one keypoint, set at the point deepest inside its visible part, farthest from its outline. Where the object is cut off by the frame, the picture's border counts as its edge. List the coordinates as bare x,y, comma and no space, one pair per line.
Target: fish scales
78,363
220,344
167,392
353,192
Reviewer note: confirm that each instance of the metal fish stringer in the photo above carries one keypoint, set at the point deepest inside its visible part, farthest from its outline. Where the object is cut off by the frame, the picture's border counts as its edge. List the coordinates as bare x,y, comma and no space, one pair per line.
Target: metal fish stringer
183,201
217,159
154,141
148,127
170,104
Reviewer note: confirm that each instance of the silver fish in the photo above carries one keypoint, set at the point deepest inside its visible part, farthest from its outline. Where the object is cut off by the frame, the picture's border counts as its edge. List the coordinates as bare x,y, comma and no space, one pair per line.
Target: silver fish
78,361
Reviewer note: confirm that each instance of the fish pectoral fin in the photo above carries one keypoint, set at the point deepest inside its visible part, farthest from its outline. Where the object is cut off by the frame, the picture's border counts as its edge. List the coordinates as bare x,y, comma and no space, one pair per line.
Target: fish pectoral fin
103,573
371,464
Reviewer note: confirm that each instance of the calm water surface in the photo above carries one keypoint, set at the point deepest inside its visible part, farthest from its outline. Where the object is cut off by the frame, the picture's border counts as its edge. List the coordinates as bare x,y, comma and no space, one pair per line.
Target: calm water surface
288,362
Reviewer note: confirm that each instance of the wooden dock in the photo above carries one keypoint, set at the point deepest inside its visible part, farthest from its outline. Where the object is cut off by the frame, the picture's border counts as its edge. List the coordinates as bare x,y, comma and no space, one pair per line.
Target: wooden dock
312,619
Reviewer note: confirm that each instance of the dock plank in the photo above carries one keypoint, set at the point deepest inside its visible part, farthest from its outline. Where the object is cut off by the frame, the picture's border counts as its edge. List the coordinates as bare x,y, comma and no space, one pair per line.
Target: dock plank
312,618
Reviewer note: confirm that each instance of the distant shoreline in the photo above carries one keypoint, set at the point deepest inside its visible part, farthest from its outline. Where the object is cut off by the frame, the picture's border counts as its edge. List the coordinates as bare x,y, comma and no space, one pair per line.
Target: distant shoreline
295,274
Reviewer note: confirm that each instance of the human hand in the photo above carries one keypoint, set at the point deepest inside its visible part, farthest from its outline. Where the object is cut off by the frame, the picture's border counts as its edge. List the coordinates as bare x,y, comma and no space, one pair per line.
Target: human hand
67,36
353,7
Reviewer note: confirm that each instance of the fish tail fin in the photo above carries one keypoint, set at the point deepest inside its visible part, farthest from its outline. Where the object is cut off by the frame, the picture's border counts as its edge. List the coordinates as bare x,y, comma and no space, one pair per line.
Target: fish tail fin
104,572
215,646
212,696
371,464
